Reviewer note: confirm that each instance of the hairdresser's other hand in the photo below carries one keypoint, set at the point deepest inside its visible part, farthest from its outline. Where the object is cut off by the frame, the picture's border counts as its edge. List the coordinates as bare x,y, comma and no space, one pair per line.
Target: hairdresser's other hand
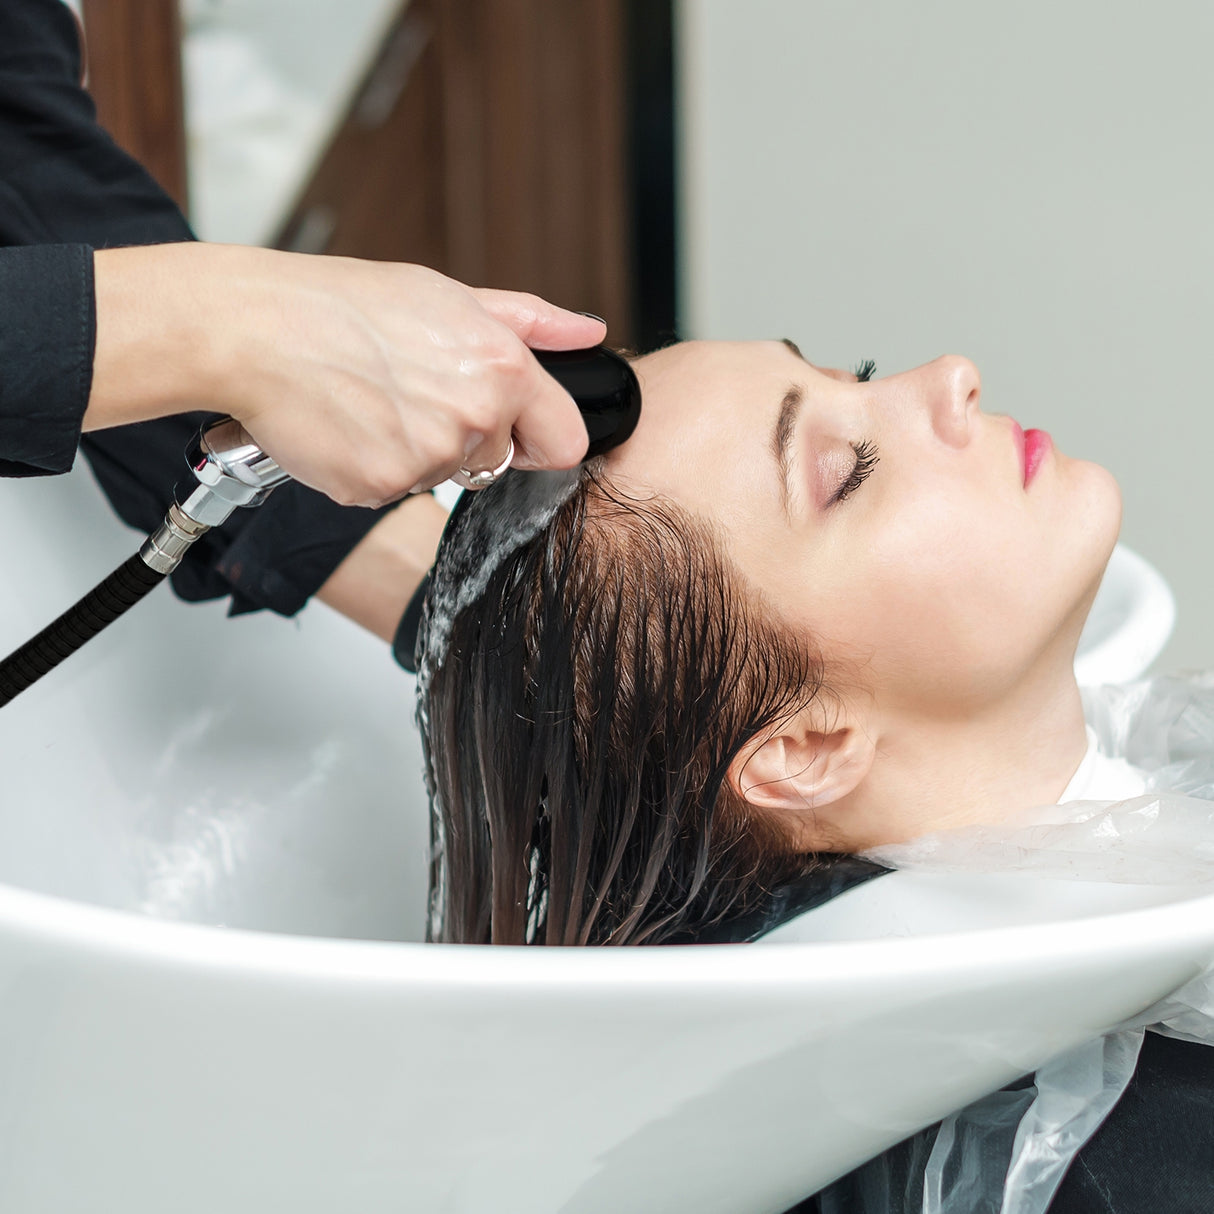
365,380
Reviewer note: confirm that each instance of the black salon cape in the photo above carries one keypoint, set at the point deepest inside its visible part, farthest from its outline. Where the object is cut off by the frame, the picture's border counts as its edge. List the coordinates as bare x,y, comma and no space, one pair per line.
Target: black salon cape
66,188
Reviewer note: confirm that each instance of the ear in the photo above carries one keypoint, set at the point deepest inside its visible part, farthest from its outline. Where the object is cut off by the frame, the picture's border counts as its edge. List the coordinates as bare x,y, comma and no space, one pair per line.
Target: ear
801,765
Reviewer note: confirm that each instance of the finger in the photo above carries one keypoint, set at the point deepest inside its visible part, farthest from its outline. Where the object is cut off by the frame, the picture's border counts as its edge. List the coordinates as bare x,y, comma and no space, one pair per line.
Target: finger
540,324
430,481
487,456
548,429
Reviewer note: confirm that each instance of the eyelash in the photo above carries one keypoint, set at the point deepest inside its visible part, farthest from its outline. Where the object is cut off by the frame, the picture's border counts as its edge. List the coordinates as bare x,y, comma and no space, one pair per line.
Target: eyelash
866,460
866,452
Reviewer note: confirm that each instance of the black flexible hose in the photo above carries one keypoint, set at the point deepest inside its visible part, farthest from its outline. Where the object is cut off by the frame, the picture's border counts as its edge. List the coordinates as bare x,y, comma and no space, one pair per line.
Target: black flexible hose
101,606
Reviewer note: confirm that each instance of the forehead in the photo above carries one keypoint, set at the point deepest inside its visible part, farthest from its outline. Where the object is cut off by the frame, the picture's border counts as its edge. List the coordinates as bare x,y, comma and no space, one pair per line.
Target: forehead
706,417
713,368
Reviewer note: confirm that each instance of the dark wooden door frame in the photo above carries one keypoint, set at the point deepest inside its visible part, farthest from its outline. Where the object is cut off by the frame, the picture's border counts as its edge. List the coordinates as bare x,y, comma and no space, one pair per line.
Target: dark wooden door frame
134,75
542,137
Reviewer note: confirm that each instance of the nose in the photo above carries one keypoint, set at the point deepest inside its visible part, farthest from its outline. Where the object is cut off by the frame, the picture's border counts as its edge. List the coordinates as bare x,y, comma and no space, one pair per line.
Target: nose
952,387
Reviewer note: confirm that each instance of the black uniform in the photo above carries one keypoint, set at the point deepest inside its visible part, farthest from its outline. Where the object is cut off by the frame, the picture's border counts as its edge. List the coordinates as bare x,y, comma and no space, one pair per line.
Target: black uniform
66,188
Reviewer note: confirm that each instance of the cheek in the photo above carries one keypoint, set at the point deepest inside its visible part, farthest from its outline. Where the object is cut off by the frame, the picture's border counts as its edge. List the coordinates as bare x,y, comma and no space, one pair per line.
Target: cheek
944,603
947,603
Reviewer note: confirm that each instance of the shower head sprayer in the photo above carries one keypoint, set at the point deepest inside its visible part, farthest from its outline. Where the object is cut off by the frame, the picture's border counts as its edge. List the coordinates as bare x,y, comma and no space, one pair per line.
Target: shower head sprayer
230,470
605,389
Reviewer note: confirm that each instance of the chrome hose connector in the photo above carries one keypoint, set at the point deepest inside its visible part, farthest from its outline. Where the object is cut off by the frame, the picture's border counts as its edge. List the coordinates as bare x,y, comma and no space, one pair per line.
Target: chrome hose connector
163,549
231,471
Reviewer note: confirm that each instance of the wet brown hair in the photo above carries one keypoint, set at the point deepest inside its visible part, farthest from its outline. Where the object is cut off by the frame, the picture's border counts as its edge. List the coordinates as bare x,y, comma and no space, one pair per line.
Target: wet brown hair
579,732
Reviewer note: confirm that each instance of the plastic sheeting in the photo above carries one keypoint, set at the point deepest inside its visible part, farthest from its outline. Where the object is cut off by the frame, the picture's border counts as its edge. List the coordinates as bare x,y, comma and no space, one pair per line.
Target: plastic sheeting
1008,1152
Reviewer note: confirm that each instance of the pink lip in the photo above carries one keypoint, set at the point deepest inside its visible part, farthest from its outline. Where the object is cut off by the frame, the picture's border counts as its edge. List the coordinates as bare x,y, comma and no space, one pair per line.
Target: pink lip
1033,446
1037,445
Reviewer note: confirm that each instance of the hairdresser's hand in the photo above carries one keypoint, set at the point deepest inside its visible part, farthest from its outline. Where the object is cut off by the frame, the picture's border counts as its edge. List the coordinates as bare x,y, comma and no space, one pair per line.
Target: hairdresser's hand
365,380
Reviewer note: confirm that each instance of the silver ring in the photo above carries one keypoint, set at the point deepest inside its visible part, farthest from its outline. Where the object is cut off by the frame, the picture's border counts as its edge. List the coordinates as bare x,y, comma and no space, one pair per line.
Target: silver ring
488,476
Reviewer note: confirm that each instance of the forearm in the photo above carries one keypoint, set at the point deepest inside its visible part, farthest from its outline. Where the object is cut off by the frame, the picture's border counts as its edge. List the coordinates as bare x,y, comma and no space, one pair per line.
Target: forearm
158,349
200,297
365,380
373,585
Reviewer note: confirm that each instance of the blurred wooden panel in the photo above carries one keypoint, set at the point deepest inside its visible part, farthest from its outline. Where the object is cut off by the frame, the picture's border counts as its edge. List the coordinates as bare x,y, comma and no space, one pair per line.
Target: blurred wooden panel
134,76
378,189
489,142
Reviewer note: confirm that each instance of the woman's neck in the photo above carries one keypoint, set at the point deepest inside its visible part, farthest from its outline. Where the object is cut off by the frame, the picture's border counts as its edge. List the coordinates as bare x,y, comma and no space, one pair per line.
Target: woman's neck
978,767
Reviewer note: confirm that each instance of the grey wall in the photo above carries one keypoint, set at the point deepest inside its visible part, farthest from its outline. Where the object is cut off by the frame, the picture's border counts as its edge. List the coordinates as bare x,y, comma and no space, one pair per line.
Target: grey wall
1028,184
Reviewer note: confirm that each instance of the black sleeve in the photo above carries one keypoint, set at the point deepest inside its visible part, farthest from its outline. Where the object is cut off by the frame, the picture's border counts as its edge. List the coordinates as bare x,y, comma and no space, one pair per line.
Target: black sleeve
273,556
64,181
47,326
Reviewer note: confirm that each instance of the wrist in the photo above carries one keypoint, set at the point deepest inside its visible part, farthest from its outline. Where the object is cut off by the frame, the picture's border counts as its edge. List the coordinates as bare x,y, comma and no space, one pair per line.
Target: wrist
163,346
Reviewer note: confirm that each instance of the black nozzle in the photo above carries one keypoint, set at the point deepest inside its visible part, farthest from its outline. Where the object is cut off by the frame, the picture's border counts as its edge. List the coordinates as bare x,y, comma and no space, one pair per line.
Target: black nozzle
604,386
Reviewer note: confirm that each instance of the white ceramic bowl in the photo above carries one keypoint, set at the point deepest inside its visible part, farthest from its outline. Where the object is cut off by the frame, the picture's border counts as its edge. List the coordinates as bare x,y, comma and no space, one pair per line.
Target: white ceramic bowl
212,884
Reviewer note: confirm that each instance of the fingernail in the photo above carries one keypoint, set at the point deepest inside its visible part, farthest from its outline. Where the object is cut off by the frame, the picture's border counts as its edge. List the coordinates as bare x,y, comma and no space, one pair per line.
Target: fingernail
591,316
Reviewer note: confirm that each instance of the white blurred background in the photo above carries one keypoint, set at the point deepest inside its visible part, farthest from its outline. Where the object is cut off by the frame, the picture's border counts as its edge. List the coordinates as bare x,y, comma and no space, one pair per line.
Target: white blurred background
266,83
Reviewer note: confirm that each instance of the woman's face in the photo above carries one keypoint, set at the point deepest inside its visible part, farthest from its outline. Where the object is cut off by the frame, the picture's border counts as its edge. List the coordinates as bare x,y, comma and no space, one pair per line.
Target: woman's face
889,521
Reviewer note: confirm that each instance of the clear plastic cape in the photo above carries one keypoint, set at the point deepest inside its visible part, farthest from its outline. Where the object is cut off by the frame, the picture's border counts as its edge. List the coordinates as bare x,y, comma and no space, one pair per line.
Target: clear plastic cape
1008,1152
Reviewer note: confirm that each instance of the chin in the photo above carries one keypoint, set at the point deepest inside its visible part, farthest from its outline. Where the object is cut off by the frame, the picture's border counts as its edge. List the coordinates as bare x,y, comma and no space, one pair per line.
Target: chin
1106,506
1098,523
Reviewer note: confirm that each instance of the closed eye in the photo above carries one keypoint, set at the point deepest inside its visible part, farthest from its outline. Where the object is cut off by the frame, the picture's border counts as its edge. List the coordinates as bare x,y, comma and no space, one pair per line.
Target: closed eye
866,461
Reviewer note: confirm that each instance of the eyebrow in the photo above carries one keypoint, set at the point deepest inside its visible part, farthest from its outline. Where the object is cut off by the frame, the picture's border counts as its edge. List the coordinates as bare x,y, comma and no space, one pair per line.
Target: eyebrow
786,423
781,440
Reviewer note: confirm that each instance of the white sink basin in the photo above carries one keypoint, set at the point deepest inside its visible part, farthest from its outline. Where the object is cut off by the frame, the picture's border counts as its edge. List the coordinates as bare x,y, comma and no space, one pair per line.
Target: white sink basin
192,805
